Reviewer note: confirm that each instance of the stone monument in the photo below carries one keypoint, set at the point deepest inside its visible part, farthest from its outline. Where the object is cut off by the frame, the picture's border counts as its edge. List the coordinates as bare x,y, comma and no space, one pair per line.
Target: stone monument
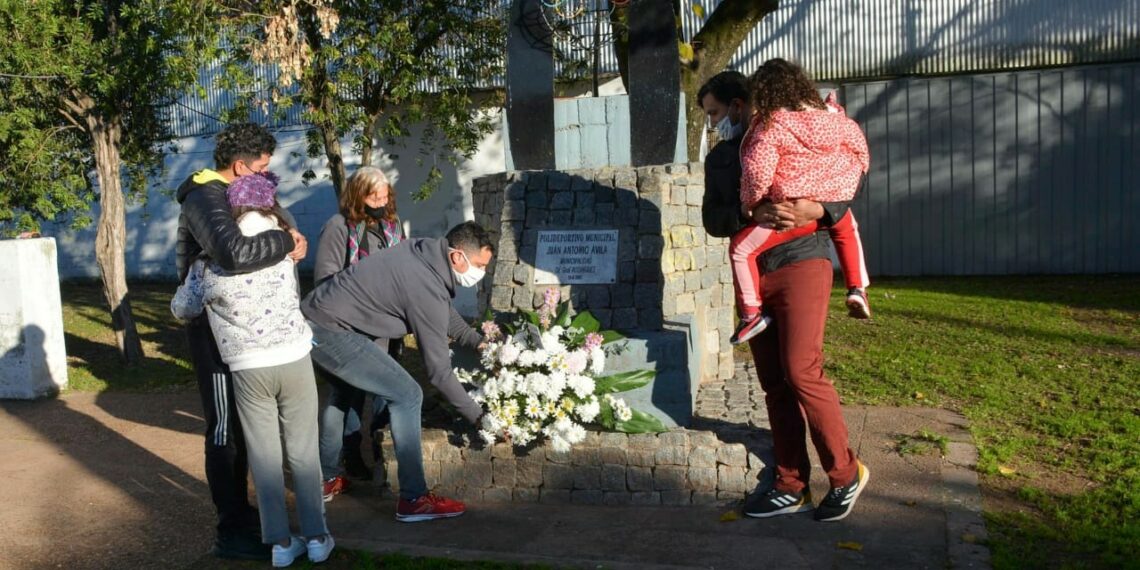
33,361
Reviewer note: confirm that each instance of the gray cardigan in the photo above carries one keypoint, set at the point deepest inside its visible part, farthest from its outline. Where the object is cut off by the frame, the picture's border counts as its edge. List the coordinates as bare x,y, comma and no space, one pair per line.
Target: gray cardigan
404,289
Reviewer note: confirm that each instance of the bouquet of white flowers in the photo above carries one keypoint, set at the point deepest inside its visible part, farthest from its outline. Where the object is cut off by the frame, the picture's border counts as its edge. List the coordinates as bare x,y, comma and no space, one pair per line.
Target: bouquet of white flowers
541,375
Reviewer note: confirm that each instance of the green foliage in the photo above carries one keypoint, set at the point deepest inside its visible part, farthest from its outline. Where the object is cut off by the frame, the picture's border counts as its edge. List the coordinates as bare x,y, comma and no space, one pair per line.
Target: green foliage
622,381
74,67
1046,370
381,72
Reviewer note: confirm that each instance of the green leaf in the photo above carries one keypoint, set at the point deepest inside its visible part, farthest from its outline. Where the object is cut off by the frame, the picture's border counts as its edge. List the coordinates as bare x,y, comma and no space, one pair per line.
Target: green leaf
586,322
605,414
530,316
622,381
611,336
641,422
563,318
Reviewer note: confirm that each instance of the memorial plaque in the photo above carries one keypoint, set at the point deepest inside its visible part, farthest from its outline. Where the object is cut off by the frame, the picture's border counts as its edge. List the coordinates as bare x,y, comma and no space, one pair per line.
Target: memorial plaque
576,257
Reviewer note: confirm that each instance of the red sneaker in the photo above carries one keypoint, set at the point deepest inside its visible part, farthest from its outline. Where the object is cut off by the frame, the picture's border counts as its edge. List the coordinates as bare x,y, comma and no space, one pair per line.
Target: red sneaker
428,507
334,487
750,327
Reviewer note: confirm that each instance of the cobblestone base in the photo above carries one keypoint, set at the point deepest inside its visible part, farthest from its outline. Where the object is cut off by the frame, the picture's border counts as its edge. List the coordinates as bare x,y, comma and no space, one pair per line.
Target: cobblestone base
718,463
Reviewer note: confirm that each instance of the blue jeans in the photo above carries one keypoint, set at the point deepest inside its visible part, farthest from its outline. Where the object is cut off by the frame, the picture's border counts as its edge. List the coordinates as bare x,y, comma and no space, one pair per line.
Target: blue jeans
357,361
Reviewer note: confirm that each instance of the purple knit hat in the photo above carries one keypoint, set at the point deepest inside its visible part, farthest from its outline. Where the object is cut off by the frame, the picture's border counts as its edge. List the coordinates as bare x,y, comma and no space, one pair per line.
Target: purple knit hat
254,190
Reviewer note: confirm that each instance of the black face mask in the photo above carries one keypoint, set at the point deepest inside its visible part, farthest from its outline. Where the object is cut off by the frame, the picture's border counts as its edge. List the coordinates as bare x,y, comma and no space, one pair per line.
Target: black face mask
375,213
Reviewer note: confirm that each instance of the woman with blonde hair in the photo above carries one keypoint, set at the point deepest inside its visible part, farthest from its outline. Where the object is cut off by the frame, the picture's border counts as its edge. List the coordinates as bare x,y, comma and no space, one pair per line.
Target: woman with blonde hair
366,223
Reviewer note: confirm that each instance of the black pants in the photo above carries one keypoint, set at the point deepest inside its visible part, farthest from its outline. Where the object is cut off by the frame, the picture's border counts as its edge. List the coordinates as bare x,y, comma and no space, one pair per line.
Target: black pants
226,463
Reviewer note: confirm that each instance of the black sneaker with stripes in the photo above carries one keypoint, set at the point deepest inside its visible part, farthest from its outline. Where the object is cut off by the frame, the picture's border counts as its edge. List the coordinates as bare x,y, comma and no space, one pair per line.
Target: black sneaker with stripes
776,502
840,500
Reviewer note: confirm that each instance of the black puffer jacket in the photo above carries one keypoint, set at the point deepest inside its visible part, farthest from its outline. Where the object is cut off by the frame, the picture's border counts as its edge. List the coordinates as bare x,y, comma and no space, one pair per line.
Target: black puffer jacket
720,209
207,224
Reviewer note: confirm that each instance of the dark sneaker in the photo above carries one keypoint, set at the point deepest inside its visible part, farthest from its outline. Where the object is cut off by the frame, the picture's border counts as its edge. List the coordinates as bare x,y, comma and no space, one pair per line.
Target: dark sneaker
776,502
240,546
857,305
334,487
839,501
428,507
749,328
354,465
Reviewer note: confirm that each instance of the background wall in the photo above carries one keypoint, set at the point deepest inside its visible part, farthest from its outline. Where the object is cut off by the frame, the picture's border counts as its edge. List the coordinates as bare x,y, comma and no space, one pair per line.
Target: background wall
1010,173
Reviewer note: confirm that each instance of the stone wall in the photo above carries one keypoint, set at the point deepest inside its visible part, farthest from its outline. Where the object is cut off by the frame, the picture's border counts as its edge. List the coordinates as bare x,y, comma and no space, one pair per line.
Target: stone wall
679,467
668,266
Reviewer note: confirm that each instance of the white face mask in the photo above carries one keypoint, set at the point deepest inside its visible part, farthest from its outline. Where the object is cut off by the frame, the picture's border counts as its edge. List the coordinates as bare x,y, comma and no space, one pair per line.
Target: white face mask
728,131
472,276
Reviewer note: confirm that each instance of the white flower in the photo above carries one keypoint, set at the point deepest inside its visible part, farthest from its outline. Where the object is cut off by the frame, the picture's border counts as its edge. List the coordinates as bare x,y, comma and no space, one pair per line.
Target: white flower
588,411
486,436
533,408
509,354
583,386
575,433
597,361
576,361
551,343
557,330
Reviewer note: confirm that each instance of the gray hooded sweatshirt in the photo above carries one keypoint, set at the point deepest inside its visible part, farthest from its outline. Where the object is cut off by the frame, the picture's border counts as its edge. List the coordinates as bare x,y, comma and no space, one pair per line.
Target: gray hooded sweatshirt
404,289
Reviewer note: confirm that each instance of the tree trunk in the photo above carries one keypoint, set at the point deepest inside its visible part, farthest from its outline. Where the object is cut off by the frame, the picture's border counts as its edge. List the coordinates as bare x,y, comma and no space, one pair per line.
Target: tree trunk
111,235
335,157
713,47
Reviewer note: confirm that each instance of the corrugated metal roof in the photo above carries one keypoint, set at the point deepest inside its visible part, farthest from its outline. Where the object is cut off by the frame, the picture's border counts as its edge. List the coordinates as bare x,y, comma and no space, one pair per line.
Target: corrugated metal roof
838,39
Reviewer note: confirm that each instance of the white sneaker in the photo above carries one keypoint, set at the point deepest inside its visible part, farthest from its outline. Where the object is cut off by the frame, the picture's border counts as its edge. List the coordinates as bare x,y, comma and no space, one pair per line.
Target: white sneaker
319,550
285,555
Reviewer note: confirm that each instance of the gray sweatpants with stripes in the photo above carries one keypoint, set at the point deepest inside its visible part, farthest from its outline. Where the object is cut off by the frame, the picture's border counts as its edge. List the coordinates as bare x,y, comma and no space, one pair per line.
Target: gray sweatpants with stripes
278,400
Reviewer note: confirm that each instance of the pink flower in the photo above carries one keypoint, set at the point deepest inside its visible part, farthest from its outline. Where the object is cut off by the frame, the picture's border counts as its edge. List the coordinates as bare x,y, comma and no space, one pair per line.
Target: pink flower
491,331
551,298
593,340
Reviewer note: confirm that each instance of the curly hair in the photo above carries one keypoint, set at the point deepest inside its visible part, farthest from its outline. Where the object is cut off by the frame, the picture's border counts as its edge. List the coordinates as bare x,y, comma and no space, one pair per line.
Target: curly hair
363,182
242,141
781,84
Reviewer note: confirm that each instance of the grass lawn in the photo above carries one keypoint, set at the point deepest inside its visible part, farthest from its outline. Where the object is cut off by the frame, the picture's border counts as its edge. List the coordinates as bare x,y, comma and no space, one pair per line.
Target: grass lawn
1047,370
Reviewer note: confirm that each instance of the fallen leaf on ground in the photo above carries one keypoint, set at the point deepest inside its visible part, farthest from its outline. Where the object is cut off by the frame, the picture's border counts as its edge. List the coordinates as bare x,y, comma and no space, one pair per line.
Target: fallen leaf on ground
911,503
856,546
919,395
1007,471
729,516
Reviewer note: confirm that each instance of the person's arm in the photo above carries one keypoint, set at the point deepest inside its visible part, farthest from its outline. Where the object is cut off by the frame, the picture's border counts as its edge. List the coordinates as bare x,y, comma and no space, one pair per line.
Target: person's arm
332,250
189,300
461,332
800,212
212,224
429,324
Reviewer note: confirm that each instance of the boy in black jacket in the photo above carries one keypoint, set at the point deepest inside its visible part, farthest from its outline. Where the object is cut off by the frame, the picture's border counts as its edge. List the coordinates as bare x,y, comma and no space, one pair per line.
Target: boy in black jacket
206,226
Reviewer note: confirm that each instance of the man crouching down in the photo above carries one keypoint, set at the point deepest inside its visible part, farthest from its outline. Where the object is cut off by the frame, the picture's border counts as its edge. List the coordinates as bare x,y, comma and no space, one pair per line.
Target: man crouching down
405,289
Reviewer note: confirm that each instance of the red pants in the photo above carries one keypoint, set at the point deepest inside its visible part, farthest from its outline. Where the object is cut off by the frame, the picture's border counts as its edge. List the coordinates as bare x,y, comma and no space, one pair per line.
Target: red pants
789,361
746,246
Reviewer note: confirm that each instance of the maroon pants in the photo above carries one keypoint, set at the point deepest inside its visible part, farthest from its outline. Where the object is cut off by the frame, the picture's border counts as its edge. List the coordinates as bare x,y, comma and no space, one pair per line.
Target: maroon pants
789,361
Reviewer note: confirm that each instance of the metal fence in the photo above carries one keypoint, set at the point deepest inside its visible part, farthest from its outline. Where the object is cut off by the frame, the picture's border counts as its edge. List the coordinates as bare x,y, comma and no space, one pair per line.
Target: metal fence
1029,172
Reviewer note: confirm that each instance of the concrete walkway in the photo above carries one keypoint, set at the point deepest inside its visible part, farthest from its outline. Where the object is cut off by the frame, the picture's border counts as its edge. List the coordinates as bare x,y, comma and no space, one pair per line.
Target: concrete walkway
116,481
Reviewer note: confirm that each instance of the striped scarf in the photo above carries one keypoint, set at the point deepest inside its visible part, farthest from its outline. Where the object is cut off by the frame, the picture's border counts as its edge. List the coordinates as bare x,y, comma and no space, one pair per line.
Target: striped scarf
355,238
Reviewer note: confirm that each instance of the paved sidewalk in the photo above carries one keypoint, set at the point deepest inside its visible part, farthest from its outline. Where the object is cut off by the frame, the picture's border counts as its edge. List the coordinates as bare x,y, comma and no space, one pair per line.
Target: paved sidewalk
116,481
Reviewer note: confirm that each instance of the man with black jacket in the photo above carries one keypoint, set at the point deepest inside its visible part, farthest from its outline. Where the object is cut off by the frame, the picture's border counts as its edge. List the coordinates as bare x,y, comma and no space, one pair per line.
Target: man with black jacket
789,354
206,226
